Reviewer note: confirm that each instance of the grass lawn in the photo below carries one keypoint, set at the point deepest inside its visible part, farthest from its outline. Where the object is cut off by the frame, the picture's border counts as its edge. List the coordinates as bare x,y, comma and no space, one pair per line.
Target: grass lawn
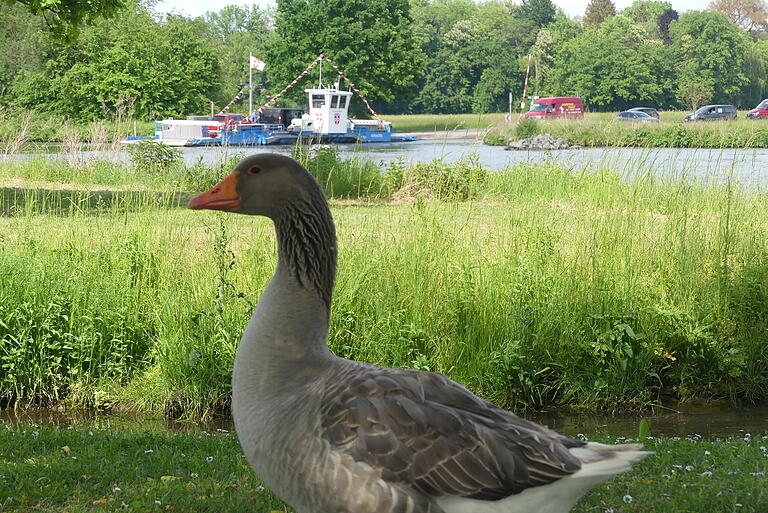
47,469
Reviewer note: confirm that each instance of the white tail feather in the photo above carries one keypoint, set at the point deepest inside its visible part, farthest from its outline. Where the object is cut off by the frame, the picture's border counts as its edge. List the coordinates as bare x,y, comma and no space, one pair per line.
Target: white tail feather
600,462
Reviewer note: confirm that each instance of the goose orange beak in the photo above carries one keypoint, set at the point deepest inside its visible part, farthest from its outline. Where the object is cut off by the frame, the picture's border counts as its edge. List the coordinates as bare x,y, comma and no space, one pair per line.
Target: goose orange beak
222,196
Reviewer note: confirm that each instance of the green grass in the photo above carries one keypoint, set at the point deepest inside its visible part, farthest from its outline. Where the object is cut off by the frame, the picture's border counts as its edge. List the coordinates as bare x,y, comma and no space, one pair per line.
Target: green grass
438,122
44,469
536,286
603,130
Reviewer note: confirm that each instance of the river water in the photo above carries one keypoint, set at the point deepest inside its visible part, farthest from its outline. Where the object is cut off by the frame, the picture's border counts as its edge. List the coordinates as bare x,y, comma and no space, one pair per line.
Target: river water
748,166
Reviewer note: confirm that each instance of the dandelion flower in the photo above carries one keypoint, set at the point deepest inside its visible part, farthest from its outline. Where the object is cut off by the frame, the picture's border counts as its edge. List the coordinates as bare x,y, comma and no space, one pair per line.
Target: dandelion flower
628,499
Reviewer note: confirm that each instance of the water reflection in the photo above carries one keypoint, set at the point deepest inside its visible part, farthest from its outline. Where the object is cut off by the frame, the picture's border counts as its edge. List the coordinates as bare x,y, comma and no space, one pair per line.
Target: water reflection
709,422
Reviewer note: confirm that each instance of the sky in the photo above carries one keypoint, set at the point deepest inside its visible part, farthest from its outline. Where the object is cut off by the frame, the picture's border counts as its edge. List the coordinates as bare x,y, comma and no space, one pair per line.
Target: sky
571,8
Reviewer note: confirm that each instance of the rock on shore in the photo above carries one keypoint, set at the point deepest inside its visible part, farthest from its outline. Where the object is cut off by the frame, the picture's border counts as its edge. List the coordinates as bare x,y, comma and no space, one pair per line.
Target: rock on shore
539,142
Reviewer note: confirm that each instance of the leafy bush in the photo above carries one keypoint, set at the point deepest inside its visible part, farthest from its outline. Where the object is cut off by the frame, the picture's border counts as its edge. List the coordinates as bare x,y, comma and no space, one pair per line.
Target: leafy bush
494,139
526,127
148,156
453,181
341,178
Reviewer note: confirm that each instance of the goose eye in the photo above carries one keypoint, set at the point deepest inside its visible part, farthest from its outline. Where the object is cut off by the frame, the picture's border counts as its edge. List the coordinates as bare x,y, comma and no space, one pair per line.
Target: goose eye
254,170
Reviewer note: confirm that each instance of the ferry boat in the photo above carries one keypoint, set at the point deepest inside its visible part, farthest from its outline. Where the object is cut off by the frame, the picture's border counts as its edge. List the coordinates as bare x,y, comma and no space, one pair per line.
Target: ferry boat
326,122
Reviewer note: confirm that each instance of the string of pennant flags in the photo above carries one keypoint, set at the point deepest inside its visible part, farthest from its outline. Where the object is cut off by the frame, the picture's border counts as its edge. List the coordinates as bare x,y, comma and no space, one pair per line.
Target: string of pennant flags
234,100
304,73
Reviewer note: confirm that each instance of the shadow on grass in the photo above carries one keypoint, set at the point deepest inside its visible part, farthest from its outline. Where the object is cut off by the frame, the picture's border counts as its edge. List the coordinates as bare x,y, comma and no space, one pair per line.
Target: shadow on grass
19,201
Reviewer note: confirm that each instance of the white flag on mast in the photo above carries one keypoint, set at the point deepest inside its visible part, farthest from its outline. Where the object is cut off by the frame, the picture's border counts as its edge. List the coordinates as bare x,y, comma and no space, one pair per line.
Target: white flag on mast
257,64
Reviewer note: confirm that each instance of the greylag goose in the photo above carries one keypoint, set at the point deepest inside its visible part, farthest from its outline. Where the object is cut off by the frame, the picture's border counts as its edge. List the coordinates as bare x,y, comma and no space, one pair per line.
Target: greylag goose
330,435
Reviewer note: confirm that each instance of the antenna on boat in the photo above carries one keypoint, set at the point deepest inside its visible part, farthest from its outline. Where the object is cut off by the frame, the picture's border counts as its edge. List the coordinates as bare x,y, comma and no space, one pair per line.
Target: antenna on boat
320,83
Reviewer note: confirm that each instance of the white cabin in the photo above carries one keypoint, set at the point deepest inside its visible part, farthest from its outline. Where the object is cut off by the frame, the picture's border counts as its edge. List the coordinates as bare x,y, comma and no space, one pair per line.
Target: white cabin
180,132
328,109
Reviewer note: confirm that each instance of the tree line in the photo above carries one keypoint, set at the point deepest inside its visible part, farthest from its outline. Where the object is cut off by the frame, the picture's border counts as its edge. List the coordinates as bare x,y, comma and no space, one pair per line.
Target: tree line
407,56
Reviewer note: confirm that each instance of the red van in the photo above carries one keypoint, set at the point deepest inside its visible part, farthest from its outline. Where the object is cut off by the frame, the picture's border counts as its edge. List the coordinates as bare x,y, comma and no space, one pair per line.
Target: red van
759,112
555,107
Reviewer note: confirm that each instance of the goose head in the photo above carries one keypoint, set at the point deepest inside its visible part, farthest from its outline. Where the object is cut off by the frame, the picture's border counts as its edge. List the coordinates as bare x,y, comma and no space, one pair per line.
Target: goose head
262,184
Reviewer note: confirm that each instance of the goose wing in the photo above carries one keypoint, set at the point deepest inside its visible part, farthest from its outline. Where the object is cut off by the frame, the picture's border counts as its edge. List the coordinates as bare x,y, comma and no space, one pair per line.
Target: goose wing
431,433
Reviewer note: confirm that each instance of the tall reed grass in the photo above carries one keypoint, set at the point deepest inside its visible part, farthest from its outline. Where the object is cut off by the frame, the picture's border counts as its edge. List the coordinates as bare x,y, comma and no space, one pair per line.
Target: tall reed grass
537,286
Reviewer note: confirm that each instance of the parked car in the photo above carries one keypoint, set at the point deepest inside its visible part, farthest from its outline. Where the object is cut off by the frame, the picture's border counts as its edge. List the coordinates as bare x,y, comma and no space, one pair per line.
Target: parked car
712,113
637,116
555,107
759,112
648,110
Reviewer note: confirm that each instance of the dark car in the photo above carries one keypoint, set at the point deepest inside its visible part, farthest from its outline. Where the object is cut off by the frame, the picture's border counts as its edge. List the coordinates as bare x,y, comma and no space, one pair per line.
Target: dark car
712,113
634,115
648,110
280,116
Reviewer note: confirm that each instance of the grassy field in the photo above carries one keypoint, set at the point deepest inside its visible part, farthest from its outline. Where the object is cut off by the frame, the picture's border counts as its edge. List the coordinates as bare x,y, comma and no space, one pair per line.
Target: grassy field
603,130
537,286
80,470
438,122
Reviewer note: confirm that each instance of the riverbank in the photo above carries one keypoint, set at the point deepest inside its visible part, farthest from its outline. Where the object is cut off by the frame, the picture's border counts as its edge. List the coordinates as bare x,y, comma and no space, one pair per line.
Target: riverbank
89,469
536,286
602,130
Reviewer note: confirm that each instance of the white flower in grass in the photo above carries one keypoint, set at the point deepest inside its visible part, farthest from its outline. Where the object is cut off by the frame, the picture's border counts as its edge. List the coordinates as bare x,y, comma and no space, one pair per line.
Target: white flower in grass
149,451
762,448
738,505
123,505
194,475
209,459
627,499
158,502
35,433
707,453
259,488
757,474
116,489
706,473
689,467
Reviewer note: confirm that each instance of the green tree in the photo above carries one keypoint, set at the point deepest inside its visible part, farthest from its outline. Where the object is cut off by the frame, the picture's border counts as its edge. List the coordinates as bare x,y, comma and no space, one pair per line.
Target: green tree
153,68
611,66
65,17
710,50
371,40
664,21
645,11
20,39
645,14
539,12
757,74
694,93
598,11
236,32
478,63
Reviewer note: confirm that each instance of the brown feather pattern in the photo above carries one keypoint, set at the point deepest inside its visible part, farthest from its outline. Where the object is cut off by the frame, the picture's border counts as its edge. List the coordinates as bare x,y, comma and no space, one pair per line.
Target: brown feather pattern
428,432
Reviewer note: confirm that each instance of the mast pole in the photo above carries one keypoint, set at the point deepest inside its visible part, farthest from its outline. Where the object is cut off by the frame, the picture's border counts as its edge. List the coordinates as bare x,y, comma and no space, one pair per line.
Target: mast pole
250,84
525,87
